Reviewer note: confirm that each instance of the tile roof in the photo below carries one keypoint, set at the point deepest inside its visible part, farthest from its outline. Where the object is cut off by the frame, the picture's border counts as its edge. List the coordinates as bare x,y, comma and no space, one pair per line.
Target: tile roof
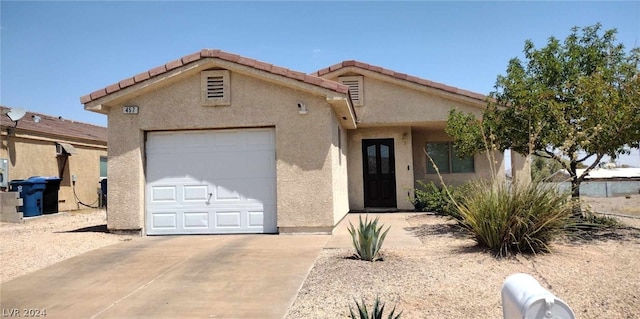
55,125
206,53
400,76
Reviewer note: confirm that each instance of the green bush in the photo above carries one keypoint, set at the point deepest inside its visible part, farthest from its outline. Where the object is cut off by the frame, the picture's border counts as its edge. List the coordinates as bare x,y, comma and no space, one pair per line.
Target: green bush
590,221
368,238
517,219
431,198
376,313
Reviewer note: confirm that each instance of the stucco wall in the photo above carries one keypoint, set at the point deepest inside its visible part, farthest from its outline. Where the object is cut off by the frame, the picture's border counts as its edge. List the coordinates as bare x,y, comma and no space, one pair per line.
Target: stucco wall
303,145
482,165
340,177
34,155
392,104
403,164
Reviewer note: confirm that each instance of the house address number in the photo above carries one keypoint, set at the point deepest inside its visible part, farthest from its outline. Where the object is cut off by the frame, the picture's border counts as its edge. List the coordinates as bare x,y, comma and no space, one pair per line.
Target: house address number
130,109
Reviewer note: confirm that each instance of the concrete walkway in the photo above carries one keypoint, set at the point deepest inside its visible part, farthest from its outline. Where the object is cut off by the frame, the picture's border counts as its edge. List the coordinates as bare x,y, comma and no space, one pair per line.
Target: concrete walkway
227,276
398,236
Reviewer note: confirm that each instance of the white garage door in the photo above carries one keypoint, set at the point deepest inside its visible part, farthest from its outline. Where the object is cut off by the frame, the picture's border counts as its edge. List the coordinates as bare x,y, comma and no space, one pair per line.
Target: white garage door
211,182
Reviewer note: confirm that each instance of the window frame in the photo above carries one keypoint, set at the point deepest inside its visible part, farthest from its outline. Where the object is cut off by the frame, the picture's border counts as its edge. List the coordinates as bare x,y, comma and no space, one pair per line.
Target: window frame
430,170
106,163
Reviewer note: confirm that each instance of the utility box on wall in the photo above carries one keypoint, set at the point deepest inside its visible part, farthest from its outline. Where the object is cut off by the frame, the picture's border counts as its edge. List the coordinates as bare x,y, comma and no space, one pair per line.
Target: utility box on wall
524,298
4,172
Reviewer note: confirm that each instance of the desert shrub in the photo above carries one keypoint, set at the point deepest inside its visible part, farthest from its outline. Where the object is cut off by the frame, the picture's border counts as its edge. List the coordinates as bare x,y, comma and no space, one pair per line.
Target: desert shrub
430,198
517,219
367,238
590,221
377,312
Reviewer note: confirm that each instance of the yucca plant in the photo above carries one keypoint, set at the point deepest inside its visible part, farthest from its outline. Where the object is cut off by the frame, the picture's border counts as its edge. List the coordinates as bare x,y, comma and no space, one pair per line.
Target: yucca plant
368,238
516,219
376,313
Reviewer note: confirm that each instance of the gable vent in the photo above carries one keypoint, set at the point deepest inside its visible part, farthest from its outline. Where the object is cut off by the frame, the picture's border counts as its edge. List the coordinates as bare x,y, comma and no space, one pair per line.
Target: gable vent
215,87
355,88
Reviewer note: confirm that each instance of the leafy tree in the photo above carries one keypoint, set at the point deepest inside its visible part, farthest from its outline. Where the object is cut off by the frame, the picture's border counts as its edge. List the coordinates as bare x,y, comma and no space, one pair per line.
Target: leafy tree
569,102
542,168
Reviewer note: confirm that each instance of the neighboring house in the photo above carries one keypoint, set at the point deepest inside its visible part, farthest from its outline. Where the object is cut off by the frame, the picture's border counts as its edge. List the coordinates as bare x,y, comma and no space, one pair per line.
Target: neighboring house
218,143
43,145
606,181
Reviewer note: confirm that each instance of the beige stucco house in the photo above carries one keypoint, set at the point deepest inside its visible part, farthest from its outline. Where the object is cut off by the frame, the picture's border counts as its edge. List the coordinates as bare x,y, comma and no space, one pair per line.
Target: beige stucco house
218,143
50,146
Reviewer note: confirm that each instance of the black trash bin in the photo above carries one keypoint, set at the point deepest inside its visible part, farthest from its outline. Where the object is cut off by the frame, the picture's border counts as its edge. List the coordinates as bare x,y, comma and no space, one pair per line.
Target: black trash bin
50,195
103,191
31,193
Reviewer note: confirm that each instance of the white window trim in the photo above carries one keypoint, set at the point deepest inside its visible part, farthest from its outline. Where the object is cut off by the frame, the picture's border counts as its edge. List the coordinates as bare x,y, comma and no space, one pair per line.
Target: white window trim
355,89
226,88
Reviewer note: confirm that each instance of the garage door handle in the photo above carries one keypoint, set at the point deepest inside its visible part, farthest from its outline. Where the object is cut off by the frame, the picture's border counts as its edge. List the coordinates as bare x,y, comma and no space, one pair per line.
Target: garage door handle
209,199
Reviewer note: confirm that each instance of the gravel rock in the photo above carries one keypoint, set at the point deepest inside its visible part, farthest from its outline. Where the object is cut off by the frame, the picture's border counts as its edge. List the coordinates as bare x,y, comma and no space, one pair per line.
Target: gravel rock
449,277
48,239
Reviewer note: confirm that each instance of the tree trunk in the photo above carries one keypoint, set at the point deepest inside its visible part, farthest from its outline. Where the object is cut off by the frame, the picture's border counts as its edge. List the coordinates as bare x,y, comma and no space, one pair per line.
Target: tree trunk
575,191
575,197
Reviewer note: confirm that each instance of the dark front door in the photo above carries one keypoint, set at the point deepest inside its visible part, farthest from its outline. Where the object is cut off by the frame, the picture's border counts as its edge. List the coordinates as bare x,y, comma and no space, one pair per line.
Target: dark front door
378,163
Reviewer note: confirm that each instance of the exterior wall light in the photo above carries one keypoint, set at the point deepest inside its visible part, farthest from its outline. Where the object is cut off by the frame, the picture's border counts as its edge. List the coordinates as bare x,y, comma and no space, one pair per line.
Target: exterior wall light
302,108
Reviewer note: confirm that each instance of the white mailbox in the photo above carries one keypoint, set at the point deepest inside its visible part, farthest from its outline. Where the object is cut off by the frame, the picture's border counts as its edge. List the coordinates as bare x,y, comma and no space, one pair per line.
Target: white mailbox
524,298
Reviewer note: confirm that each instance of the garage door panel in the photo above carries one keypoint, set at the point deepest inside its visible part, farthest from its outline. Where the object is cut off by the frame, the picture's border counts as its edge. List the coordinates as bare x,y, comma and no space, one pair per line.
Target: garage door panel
195,220
261,191
226,193
228,219
258,140
209,182
195,193
256,219
167,220
164,194
258,164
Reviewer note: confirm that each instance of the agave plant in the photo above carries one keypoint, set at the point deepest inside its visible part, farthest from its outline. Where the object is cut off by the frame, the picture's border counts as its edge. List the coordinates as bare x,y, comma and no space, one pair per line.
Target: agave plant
376,313
368,238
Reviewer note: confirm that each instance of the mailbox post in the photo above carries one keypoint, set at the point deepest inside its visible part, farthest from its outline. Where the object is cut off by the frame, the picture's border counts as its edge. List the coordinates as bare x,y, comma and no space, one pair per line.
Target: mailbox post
524,298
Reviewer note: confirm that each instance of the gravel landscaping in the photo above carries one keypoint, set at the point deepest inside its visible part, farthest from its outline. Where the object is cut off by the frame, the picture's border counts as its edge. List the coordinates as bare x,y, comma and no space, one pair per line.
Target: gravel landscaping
450,277
43,241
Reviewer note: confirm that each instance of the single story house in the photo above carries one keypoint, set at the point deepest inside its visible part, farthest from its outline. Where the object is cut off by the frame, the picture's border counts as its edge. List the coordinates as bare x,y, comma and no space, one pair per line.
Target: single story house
51,146
218,143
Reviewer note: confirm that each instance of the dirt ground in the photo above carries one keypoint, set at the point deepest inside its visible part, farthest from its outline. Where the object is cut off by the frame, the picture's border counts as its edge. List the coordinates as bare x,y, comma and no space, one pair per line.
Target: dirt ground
615,205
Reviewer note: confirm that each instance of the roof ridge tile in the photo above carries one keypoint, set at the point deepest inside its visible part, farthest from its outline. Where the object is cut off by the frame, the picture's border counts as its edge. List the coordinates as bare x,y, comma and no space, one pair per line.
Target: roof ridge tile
400,76
219,54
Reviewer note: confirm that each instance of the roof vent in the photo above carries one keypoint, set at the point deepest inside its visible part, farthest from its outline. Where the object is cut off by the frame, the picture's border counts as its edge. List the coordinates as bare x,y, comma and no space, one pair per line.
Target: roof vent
355,88
215,87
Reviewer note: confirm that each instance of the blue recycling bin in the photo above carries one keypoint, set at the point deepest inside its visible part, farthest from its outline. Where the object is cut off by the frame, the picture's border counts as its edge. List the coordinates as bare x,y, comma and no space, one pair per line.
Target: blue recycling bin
31,193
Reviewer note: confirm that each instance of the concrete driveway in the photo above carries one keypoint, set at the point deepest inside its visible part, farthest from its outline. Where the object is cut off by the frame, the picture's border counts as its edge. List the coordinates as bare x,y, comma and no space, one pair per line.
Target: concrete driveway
231,276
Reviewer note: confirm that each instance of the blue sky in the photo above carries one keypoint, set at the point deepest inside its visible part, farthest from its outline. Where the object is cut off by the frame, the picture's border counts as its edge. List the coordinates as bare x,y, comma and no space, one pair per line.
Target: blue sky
54,52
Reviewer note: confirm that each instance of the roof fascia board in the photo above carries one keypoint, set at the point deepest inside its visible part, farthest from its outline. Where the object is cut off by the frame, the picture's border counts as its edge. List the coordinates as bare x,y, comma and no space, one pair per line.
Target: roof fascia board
344,110
57,138
101,104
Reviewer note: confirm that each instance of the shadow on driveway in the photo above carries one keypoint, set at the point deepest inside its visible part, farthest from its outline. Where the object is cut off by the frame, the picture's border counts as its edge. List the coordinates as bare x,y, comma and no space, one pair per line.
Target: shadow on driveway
91,229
